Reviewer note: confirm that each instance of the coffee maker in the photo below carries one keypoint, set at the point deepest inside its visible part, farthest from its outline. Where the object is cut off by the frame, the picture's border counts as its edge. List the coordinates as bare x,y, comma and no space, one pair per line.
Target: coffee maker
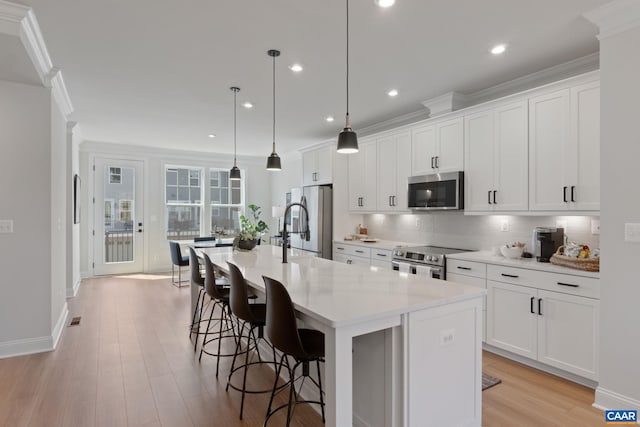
546,242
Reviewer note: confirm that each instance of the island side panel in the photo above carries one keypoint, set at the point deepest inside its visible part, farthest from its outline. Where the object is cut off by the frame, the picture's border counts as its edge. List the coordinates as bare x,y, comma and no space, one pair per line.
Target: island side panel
444,365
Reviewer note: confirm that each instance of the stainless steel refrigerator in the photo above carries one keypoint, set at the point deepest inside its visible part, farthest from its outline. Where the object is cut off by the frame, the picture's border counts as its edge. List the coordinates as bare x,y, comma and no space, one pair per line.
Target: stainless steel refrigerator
319,203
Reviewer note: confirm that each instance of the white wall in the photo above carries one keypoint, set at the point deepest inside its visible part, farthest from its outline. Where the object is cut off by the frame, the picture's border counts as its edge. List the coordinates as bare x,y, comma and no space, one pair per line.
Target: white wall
282,182
73,230
25,174
453,229
156,258
620,278
59,218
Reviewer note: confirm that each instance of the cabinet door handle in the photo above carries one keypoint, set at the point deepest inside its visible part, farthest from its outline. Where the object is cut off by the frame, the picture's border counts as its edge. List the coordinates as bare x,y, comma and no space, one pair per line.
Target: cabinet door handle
489,196
432,166
510,275
531,305
494,197
564,193
339,248
571,285
464,268
359,252
393,200
437,161
390,201
384,255
573,189
349,261
539,306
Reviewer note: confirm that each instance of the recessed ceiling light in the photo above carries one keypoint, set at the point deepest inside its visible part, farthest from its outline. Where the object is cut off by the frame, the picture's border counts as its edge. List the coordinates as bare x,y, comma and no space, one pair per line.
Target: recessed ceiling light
247,105
498,49
385,3
296,68
212,135
392,93
329,119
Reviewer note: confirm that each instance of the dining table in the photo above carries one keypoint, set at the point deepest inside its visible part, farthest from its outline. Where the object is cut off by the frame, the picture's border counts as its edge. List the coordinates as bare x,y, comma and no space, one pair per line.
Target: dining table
431,341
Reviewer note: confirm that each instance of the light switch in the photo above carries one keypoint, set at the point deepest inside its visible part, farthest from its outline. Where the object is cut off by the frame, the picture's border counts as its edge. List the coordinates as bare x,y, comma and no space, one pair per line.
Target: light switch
6,226
632,232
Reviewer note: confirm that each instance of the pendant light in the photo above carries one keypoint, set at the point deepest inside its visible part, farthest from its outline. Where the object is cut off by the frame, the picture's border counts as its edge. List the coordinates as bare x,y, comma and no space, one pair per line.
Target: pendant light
273,161
347,140
234,173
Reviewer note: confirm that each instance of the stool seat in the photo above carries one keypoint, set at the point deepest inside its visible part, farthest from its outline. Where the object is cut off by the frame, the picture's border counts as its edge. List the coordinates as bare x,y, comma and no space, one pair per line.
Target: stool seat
313,344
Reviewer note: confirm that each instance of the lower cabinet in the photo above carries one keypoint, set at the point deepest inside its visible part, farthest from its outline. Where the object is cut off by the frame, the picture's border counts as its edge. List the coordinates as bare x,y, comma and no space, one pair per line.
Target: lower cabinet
473,274
351,259
558,329
361,255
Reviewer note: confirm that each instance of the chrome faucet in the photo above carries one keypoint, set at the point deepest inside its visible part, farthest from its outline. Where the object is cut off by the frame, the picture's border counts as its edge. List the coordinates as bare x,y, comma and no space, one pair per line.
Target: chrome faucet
285,239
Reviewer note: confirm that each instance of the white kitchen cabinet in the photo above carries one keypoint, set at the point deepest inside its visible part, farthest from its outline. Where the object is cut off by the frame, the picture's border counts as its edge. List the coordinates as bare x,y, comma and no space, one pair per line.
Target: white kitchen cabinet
496,159
317,166
394,154
438,147
559,329
362,170
564,149
351,259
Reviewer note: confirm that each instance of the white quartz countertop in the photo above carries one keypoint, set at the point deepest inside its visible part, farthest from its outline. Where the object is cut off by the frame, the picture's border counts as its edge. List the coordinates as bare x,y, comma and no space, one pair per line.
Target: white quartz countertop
487,257
339,294
379,244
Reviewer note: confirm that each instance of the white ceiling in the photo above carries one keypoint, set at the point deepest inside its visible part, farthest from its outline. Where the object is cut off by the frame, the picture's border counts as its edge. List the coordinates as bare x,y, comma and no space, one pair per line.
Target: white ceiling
158,73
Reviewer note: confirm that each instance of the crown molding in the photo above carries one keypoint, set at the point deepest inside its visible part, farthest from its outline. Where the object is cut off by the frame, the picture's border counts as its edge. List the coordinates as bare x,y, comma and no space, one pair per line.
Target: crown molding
19,21
615,17
395,122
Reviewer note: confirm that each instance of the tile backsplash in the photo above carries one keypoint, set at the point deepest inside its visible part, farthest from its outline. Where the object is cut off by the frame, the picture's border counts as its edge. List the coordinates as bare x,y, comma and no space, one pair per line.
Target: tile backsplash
455,230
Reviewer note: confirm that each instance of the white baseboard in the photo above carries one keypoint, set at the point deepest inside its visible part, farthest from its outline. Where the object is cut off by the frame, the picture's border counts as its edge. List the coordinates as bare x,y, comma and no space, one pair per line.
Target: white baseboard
25,346
57,330
607,399
86,274
73,290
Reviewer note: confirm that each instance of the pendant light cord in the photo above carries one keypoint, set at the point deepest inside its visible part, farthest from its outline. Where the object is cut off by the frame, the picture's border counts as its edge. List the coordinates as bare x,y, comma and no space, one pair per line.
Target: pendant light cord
235,112
347,121
274,103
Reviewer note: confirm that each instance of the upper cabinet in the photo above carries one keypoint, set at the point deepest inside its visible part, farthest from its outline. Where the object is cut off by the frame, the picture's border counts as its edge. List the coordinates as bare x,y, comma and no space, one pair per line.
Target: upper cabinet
362,178
437,147
394,154
496,169
317,166
564,149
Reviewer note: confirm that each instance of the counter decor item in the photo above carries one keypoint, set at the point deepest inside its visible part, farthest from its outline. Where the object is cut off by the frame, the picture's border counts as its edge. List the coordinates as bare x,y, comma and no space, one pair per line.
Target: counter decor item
513,251
582,259
251,229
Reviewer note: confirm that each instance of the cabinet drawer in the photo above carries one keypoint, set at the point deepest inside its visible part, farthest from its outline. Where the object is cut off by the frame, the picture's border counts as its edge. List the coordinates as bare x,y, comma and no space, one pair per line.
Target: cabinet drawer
381,255
350,259
555,282
384,265
467,268
341,248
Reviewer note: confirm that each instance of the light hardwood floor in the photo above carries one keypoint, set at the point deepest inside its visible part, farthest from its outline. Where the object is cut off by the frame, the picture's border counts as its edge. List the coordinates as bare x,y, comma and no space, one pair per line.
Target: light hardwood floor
130,363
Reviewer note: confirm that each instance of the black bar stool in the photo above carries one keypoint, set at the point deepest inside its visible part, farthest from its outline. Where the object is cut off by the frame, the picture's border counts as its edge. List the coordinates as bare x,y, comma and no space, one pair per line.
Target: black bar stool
250,317
220,296
196,280
177,259
304,345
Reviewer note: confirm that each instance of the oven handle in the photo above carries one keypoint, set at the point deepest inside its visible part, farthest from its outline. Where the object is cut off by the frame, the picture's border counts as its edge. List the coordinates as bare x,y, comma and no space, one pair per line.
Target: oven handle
434,270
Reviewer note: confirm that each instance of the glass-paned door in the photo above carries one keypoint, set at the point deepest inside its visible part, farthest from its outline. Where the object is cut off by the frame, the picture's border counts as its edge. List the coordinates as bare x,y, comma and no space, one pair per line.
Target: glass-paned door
118,227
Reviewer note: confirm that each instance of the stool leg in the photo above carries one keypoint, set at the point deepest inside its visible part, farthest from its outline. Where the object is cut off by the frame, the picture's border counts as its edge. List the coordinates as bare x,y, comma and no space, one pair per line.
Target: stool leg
275,384
235,355
291,393
201,297
223,318
246,368
204,340
320,387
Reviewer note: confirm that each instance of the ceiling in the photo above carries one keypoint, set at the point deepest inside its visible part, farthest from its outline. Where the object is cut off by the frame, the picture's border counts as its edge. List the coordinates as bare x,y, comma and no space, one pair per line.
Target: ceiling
158,73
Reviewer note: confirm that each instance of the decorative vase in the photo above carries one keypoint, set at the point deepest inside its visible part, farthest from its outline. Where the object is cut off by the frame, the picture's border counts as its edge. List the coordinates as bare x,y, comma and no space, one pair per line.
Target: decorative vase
247,245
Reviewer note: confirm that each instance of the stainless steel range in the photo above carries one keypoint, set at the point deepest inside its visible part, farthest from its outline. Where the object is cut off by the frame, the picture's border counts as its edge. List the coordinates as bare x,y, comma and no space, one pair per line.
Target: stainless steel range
428,260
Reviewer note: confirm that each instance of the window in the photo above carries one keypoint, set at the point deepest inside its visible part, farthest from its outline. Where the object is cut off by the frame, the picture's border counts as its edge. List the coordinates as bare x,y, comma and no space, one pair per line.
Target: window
115,175
108,213
227,201
125,211
183,195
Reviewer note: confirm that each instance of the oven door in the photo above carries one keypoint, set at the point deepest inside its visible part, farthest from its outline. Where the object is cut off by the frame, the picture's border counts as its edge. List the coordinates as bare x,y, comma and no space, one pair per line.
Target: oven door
435,272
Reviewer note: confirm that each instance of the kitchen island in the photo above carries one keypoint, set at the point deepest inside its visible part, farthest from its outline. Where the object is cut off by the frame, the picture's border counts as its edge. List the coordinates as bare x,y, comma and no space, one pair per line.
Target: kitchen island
431,342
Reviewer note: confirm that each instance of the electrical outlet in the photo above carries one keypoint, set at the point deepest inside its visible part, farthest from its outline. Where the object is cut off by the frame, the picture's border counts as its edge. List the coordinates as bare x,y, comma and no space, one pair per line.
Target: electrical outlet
418,222
504,225
6,226
447,337
632,232
595,227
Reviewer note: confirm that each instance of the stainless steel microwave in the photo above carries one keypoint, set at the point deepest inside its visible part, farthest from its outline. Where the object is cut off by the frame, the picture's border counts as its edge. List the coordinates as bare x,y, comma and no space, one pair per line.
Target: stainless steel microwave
440,191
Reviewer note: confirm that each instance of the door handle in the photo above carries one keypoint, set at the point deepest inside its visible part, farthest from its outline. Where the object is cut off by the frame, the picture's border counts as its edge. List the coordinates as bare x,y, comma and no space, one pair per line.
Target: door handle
531,305
437,161
139,230
393,200
464,268
359,252
494,197
432,165
573,188
349,261
539,306
571,285
382,255
564,193
489,196
510,275
390,201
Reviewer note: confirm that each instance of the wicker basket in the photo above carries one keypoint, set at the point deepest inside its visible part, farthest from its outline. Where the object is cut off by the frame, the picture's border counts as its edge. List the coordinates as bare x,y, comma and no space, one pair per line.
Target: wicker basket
586,264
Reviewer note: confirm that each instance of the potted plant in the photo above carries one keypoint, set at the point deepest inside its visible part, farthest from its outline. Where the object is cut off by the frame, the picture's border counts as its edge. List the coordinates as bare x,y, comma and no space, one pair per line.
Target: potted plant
251,228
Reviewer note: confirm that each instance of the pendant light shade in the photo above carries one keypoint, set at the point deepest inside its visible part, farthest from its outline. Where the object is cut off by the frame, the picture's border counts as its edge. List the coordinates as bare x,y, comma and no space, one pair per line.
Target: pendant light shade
347,140
234,173
273,161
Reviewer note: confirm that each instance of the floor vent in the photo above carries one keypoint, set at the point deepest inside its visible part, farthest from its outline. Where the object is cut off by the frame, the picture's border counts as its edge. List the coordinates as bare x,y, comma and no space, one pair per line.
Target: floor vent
75,321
